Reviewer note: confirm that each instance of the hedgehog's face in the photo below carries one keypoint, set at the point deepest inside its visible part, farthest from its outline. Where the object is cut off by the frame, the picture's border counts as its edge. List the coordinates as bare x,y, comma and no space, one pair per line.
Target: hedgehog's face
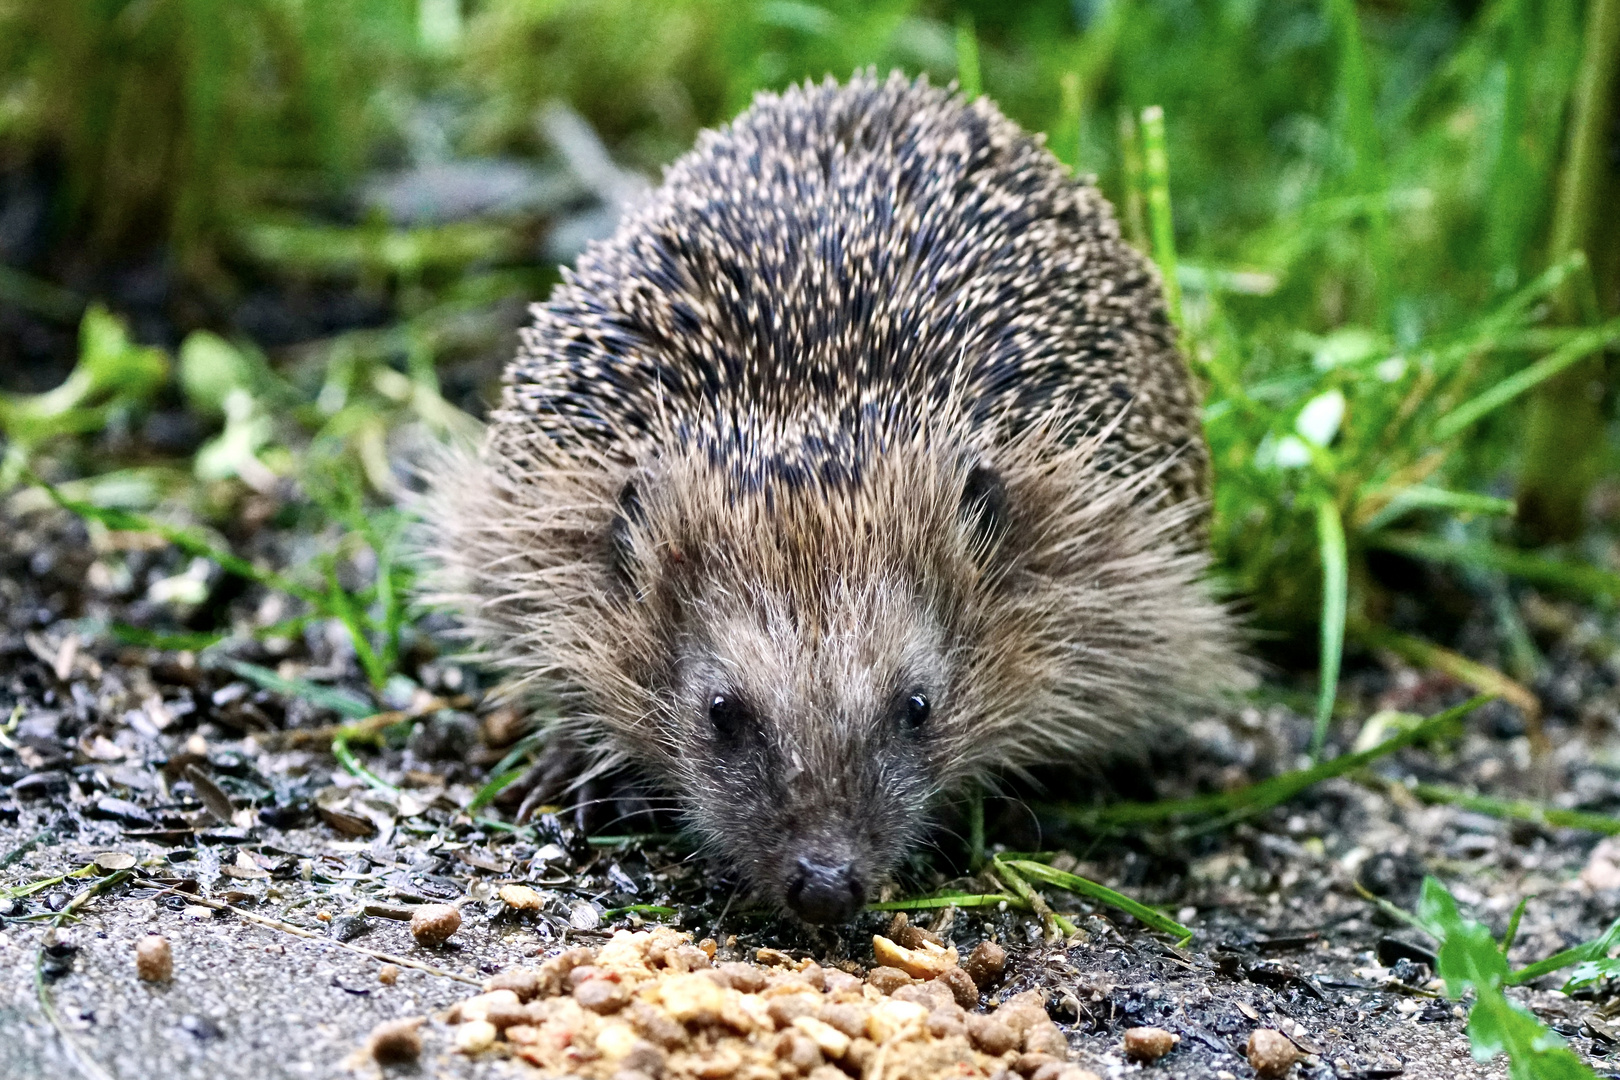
812,725
803,676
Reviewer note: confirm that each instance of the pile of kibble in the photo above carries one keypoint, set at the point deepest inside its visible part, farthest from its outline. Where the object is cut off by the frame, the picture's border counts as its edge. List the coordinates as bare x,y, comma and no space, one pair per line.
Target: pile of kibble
652,1004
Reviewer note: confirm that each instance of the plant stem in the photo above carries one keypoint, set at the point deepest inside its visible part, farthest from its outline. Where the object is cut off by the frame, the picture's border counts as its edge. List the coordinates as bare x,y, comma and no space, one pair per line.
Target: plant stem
1335,603
1564,436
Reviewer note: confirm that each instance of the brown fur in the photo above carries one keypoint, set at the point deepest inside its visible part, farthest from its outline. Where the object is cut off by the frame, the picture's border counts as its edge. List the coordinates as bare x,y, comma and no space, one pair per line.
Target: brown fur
868,399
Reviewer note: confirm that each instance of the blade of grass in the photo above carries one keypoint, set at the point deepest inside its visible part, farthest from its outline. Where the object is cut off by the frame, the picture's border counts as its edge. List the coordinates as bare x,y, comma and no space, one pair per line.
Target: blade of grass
351,764
1517,809
976,827
1156,173
327,697
1476,676
1010,876
967,57
128,521
1513,924
1591,581
486,794
1261,796
1596,949
1425,497
945,900
1130,166
1335,596
1048,875
1567,355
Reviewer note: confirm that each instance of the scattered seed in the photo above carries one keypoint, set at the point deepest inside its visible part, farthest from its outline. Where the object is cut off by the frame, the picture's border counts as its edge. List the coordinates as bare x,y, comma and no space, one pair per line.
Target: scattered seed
388,974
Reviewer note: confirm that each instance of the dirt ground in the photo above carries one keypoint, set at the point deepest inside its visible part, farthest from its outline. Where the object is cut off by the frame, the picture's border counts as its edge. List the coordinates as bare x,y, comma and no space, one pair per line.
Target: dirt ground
282,912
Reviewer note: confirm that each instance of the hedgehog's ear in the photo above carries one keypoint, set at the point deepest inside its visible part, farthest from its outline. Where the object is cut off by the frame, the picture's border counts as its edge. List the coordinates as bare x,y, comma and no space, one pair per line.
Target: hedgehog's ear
621,545
984,506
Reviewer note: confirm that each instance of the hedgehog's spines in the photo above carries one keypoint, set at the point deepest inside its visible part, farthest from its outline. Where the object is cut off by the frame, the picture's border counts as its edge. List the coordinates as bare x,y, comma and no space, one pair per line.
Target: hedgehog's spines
870,393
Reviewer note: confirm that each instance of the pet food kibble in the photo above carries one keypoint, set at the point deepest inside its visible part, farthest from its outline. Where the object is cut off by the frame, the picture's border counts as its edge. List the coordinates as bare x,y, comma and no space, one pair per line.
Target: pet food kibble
154,959
521,898
396,1041
990,1035
601,995
1149,1043
473,1036
433,924
962,987
1271,1052
985,963
886,980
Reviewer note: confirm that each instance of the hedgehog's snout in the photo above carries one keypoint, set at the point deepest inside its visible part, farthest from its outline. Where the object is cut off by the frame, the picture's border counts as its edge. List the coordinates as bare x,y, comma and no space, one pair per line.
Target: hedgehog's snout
824,890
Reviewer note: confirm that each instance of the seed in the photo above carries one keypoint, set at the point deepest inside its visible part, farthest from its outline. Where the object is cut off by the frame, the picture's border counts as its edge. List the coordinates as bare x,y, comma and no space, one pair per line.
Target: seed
388,974
154,960
432,924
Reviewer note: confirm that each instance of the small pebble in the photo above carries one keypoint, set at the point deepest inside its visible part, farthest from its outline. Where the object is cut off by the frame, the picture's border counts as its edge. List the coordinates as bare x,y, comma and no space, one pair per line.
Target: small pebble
432,924
388,974
1149,1043
396,1041
1271,1052
154,959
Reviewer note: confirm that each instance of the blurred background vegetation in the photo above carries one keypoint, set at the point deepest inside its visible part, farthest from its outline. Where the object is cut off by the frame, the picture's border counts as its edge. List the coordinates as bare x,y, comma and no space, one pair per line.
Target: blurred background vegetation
286,240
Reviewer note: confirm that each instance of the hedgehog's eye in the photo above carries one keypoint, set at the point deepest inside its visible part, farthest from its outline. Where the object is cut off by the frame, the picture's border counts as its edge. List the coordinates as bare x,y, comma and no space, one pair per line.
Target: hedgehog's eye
914,712
728,714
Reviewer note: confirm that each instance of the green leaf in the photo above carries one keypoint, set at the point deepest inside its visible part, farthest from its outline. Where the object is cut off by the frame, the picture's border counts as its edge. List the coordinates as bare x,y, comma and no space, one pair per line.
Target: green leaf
1591,972
1469,959
1596,950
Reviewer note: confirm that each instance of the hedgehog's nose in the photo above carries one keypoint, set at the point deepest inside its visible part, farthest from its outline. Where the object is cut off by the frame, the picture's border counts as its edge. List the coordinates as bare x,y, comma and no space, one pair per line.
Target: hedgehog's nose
822,892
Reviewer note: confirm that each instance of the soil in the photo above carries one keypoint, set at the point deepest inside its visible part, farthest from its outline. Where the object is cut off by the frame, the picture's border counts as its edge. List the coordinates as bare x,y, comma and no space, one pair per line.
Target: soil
283,905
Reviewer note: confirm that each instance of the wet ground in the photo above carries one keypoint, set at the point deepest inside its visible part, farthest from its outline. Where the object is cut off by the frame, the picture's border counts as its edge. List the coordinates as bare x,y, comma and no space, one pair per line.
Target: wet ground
221,820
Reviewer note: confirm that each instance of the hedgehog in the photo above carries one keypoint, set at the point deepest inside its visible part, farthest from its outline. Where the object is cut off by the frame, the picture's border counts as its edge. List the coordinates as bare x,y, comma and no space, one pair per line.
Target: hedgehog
859,466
